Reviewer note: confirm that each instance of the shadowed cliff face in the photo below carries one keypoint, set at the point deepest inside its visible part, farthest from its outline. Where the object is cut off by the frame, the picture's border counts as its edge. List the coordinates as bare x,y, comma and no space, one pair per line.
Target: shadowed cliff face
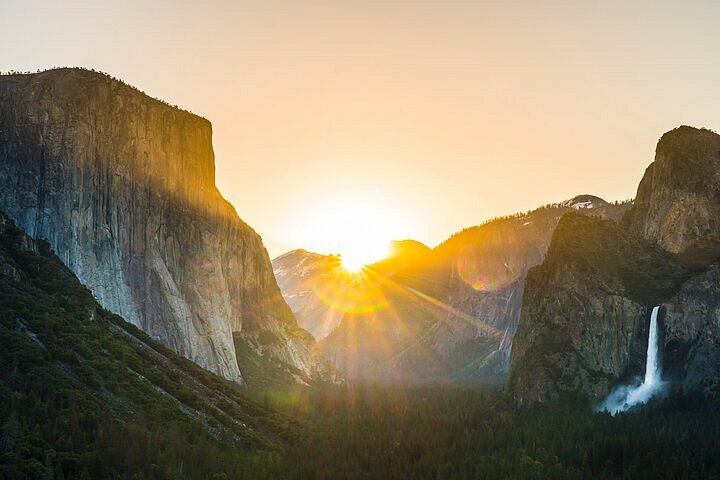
691,339
585,312
678,200
584,319
122,186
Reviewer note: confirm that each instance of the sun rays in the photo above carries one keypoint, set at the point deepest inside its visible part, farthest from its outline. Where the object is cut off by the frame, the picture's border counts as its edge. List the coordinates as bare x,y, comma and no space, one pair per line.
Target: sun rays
379,316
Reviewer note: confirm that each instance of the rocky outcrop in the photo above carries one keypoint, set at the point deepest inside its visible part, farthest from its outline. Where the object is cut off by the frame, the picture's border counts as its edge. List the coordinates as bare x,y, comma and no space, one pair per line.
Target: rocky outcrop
691,332
678,200
584,322
303,278
586,308
489,264
122,186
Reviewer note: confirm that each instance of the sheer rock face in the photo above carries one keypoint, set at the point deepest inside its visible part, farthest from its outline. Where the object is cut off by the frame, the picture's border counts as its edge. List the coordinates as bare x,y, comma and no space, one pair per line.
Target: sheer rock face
691,340
678,208
123,188
585,314
585,319
678,200
586,309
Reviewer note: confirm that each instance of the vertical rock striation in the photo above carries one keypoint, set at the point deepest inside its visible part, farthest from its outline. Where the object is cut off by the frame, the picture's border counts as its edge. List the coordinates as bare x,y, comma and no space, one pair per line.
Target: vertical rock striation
691,340
123,188
678,200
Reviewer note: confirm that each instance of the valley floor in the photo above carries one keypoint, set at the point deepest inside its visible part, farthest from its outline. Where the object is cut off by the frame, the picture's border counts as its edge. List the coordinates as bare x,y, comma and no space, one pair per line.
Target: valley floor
453,433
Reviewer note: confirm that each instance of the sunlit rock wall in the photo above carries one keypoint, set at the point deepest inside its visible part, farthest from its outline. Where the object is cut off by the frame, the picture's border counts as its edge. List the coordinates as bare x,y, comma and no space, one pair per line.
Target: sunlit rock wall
123,188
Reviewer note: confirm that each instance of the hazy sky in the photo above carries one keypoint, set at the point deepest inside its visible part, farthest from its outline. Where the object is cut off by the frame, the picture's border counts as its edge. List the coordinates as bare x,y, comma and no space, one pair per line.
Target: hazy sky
439,114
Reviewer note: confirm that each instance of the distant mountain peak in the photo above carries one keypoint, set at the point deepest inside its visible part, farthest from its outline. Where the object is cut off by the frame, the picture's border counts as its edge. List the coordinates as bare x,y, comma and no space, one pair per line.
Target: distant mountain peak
584,201
294,253
407,247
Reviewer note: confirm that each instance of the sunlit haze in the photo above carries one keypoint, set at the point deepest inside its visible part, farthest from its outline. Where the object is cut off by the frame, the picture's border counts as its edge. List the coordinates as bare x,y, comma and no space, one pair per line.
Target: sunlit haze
339,126
354,224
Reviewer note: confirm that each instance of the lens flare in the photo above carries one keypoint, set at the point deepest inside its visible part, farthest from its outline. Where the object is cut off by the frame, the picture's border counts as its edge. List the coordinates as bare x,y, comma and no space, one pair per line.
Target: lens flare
352,263
350,292
360,231
485,274
360,255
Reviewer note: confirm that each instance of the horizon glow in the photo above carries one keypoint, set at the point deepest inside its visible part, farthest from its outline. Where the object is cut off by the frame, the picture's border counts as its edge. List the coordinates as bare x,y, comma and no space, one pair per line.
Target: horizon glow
456,111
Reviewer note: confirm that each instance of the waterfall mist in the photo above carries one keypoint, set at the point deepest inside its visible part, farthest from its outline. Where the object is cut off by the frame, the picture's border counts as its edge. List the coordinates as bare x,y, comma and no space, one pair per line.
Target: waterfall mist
627,396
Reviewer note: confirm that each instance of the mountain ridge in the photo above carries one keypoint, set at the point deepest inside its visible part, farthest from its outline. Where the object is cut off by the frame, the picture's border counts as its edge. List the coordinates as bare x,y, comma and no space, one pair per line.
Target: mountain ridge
445,313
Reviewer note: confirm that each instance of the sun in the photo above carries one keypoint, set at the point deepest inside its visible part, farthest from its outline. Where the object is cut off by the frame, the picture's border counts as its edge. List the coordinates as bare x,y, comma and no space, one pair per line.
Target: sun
365,251
359,233
353,263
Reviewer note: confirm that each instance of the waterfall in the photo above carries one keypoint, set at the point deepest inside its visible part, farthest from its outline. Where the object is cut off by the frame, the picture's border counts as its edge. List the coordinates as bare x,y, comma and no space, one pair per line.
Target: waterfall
627,396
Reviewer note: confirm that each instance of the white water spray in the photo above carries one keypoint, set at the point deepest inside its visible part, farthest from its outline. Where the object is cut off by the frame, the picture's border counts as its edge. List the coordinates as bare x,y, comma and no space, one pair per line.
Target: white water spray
628,396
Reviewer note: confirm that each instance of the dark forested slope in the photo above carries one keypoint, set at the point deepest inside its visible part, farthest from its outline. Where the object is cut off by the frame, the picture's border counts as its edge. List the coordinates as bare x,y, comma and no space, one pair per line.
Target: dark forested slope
84,394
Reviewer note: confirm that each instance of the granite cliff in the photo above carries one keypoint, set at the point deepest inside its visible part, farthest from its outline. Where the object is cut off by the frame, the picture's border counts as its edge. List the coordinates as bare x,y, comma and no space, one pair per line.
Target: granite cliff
584,324
586,308
122,186
678,200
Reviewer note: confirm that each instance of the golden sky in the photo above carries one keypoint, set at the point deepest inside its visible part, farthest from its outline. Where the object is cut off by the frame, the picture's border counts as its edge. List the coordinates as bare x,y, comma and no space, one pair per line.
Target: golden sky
433,115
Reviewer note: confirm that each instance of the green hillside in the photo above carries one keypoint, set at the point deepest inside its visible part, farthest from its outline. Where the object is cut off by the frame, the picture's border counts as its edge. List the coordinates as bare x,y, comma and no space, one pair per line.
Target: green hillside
84,394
